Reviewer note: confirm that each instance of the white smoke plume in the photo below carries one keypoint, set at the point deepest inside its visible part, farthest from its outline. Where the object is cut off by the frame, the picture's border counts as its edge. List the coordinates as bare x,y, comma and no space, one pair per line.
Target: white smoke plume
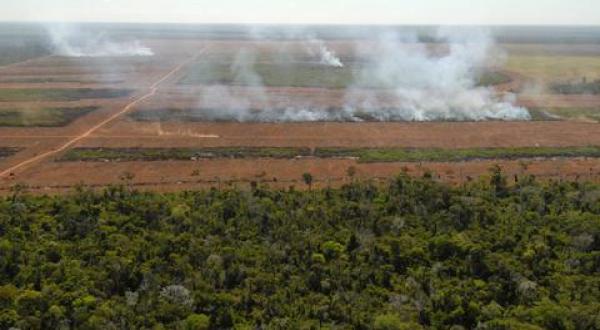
426,86
396,78
238,103
71,41
326,56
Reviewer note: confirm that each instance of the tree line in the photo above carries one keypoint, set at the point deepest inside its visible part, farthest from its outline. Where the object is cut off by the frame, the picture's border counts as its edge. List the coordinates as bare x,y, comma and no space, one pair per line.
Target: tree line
408,254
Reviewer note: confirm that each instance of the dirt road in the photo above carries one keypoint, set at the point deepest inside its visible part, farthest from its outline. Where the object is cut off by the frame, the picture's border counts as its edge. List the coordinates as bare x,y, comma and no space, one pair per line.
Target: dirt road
152,91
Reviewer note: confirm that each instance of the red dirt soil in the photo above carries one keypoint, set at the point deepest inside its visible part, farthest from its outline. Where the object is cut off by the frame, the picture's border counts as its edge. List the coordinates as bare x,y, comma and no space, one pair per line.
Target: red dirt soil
176,175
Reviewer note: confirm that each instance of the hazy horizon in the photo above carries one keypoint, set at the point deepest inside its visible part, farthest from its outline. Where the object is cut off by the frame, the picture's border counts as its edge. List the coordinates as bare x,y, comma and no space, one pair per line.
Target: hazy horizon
309,12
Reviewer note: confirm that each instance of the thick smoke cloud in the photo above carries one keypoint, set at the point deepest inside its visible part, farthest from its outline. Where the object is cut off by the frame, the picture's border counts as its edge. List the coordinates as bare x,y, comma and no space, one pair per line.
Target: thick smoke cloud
427,86
396,77
72,41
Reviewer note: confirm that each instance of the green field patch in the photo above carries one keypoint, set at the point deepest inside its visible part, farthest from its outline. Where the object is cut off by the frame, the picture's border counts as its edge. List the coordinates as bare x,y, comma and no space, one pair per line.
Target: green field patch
47,80
59,94
161,154
543,114
590,114
378,155
14,49
577,88
44,117
492,78
363,155
222,114
298,74
550,68
172,114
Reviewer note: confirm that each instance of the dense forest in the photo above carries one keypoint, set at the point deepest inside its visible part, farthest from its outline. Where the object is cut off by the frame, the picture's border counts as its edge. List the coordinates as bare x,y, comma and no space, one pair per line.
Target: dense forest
408,254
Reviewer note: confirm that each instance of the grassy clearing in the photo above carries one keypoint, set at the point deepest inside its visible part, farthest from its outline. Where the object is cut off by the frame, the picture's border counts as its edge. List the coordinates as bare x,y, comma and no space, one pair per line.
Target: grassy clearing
368,155
556,68
304,74
15,49
158,154
46,117
592,114
217,114
172,114
557,114
298,74
492,78
577,88
543,114
51,94
47,80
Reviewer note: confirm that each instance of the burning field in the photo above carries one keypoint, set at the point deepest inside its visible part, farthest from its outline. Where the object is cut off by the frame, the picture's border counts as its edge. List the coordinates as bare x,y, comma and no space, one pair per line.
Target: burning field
177,110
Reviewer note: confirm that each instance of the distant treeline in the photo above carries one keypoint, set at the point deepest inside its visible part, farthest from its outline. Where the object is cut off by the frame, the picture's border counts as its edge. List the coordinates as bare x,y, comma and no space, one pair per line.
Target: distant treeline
426,33
20,42
410,254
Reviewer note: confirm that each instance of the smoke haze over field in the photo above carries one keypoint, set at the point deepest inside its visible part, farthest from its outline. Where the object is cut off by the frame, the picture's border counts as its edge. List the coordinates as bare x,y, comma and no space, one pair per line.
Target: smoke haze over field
71,41
429,86
397,78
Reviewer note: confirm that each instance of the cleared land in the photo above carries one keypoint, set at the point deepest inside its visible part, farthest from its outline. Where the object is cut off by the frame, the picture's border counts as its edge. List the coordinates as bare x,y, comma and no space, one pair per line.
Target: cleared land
159,137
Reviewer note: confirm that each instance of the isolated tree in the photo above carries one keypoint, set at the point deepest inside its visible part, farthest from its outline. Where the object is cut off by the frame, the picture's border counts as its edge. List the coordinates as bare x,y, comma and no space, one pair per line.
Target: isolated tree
498,181
308,180
351,172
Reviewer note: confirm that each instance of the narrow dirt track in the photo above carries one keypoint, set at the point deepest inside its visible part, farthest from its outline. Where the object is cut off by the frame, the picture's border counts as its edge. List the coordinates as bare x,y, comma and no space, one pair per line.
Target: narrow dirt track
74,140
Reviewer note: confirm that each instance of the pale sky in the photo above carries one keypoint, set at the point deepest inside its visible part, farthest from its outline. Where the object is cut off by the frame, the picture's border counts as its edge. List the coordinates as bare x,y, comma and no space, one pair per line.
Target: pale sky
479,12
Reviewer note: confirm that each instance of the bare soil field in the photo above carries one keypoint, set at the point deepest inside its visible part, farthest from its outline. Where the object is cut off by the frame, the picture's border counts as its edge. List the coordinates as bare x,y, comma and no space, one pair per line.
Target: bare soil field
155,86
177,175
416,135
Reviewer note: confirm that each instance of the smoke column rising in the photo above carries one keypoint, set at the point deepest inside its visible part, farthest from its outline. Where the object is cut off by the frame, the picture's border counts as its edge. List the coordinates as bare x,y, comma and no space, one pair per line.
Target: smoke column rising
326,56
427,86
396,77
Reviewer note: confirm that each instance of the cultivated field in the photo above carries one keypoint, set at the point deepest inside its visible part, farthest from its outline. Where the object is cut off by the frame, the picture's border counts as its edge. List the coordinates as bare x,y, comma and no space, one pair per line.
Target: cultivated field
165,122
